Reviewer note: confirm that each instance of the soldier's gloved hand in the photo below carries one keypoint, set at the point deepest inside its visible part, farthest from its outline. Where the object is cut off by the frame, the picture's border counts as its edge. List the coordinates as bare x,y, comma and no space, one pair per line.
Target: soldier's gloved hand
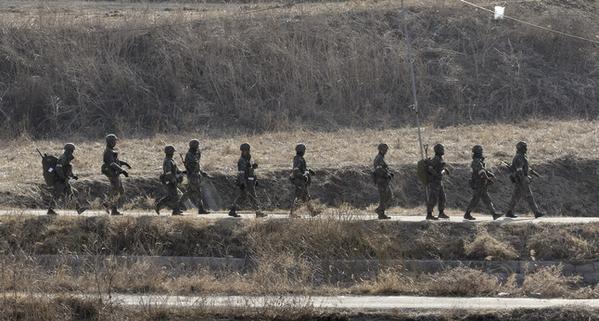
311,172
75,177
254,165
125,173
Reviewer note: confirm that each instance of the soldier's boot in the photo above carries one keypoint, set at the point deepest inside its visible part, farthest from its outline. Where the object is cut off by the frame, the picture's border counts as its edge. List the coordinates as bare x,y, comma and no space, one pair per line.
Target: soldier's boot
381,214
539,214
202,211
442,215
114,211
81,209
497,215
233,212
511,214
177,212
260,214
430,217
51,212
469,216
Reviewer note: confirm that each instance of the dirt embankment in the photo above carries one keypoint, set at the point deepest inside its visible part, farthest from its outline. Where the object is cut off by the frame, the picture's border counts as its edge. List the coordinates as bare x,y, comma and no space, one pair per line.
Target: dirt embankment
291,70
568,187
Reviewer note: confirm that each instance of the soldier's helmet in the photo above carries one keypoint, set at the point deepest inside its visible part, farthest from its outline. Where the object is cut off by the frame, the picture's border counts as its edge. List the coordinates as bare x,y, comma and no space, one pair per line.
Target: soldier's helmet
169,149
383,147
111,139
300,148
194,144
521,146
245,147
439,149
477,150
69,147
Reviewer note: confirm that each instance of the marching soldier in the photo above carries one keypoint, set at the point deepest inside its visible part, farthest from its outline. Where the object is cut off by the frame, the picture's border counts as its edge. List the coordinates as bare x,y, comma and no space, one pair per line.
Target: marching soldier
481,179
171,177
61,187
246,181
194,176
521,179
113,169
301,177
382,179
436,192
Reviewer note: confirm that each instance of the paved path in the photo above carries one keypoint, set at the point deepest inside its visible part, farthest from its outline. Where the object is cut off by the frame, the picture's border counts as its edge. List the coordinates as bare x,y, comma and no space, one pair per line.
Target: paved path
358,303
362,215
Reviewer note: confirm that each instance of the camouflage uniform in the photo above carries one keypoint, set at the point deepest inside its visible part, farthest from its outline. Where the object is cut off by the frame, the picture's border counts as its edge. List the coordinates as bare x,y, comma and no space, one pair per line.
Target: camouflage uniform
301,177
522,180
382,179
436,191
194,179
112,168
481,178
61,188
246,181
171,177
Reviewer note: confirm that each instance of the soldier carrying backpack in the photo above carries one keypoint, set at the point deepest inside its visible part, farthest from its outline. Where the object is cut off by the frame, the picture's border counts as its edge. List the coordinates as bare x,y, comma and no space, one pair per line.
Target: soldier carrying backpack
57,174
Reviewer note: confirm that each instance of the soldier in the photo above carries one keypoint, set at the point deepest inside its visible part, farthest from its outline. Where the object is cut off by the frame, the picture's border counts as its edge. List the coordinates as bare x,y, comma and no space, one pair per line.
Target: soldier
436,192
171,178
113,168
481,179
61,188
382,178
301,177
194,176
521,180
246,181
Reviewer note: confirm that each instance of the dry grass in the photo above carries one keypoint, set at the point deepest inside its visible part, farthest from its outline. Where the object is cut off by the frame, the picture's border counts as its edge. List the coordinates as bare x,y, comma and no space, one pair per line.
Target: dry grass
343,148
305,67
485,245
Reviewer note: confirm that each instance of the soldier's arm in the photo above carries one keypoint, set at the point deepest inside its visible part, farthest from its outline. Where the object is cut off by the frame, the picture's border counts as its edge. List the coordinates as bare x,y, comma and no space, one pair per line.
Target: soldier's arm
61,170
241,168
170,173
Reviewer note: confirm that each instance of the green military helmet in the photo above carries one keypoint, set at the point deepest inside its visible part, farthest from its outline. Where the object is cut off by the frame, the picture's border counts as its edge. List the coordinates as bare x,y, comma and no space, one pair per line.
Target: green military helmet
194,144
169,149
521,146
477,149
300,148
439,149
244,147
111,139
383,147
69,147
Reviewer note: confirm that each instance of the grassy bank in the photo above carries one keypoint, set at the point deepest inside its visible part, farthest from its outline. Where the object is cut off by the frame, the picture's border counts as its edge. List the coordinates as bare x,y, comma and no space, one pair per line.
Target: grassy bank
280,71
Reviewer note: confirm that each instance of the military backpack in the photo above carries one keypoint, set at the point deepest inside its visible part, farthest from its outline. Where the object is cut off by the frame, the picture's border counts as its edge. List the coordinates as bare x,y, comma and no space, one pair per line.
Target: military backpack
422,170
49,163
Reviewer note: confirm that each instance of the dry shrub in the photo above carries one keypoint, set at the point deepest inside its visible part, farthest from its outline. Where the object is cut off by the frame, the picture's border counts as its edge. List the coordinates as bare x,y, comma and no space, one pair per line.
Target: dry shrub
462,281
388,281
551,243
549,282
485,246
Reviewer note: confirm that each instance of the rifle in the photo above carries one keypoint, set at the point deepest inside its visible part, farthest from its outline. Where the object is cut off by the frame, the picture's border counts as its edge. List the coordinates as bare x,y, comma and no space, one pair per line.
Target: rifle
41,155
202,173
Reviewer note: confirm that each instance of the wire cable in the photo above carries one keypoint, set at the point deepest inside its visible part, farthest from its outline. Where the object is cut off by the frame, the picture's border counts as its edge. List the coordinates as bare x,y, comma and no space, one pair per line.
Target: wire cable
565,34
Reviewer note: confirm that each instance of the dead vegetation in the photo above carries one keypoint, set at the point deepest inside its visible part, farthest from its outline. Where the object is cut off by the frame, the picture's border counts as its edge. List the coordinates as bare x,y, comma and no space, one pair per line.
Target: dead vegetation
267,72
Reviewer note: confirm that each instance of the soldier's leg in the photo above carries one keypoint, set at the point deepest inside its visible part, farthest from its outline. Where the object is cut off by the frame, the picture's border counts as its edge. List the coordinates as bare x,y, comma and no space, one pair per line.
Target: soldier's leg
308,201
530,199
296,202
442,200
58,190
433,195
116,194
476,196
254,200
488,202
175,198
516,195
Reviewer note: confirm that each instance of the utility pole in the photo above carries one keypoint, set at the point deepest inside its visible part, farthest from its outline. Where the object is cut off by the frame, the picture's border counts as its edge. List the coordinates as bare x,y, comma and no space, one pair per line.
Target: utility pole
414,92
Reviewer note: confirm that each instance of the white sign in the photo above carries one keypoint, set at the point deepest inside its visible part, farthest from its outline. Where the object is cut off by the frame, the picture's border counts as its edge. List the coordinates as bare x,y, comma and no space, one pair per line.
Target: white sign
499,11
